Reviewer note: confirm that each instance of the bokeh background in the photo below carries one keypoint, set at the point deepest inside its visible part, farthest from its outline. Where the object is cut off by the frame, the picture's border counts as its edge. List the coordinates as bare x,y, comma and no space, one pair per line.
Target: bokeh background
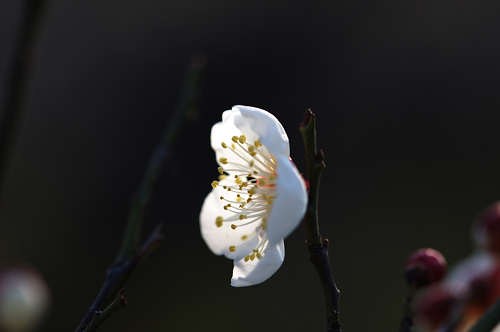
407,97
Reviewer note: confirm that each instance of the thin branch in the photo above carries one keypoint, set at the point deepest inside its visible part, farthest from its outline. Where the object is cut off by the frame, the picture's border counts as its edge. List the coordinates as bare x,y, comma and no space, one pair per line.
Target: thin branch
489,320
318,249
162,154
130,255
101,316
406,324
16,93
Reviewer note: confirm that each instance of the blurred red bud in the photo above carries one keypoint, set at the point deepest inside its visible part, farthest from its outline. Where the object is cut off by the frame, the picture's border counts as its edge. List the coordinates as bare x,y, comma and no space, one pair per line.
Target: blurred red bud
424,267
434,306
486,228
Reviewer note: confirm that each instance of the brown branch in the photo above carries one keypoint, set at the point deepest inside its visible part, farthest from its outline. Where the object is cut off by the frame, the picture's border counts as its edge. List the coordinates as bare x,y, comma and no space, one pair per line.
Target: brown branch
318,249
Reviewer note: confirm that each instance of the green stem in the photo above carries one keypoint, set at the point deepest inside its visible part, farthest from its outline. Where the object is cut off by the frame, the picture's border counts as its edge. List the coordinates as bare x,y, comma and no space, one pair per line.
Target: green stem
489,320
129,255
161,155
318,249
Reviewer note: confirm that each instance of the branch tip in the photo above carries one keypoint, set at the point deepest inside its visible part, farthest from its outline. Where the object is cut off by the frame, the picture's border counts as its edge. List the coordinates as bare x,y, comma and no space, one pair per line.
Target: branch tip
307,117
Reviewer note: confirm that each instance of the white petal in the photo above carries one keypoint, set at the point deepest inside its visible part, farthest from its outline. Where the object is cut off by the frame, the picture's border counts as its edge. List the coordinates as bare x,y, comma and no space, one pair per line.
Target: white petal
259,270
266,127
290,205
219,239
222,132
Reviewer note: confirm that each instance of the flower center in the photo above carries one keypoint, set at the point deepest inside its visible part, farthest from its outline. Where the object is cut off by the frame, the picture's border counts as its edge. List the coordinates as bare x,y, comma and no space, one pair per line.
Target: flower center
250,193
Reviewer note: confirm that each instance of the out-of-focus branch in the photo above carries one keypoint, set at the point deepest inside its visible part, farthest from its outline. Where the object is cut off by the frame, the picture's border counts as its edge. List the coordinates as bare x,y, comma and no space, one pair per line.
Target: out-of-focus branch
489,320
101,316
318,249
130,254
23,60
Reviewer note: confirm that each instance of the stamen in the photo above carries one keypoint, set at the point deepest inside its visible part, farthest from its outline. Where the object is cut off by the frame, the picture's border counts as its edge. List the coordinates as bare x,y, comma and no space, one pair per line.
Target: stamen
215,184
233,226
224,145
218,221
223,160
247,257
233,249
235,139
221,171
244,237
242,139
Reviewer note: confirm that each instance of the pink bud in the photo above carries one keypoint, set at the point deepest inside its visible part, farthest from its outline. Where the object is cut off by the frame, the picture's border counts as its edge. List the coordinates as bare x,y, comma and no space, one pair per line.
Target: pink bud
487,228
424,267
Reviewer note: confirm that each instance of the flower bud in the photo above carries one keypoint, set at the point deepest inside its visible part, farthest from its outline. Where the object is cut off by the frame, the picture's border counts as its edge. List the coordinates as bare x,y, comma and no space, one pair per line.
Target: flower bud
424,267
486,229
435,305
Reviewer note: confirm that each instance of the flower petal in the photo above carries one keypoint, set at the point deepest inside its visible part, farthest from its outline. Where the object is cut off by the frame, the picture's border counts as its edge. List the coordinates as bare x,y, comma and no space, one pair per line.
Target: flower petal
290,205
259,270
266,127
219,239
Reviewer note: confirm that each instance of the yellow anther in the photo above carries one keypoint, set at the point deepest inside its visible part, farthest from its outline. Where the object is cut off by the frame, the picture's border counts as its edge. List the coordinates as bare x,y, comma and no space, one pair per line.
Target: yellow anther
249,200
250,195
257,143
229,205
224,145
225,187
235,139
233,146
215,184
218,221
262,182
222,177
251,149
255,172
228,189
244,237
242,139
272,177
242,216
221,171
221,198
247,257
255,250
249,174
225,207
223,160
259,256
263,223
238,195
239,199
239,181
253,153
252,191
236,176
233,226
244,184
232,248
251,163
252,256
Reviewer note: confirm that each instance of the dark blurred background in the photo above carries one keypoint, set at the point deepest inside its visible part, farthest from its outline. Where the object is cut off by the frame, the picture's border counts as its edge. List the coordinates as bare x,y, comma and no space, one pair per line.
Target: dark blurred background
407,97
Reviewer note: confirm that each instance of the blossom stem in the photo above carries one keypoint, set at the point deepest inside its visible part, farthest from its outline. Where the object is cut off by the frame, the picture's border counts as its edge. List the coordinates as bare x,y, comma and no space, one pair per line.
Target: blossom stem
23,60
406,324
318,249
130,254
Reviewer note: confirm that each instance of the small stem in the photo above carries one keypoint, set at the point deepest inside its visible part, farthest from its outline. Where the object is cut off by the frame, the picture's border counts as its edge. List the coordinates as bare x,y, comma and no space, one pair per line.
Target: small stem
101,316
407,323
318,249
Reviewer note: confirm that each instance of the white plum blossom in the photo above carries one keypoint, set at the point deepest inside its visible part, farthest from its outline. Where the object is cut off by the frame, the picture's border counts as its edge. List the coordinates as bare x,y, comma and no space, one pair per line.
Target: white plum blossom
259,199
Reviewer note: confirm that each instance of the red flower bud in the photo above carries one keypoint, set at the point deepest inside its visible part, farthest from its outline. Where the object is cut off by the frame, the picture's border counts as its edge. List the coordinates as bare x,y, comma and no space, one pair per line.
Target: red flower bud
487,228
424,267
